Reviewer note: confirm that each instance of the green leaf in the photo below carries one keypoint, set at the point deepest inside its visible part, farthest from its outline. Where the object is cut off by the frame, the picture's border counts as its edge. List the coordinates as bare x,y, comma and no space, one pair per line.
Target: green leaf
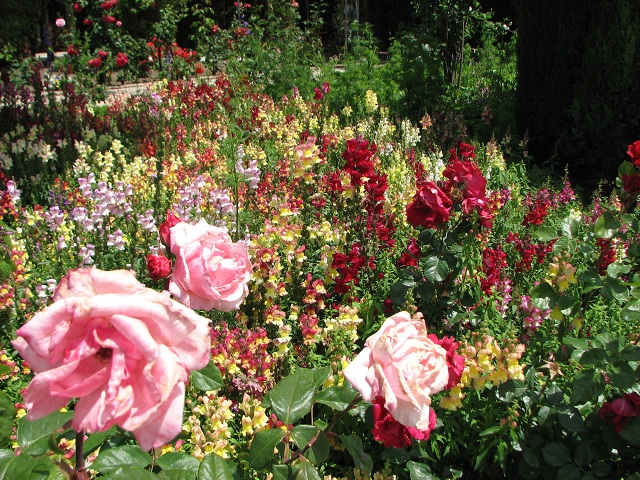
543,414
420,471
112,459
556,454
399,291
25,467
532,457
7,416
630,353
129,472
207,379
571,419
577,343
214,467
609,342
263,445
336,397
631,432
617,290
490,431
546,234
595,356
569,227
587,385
583,455
510,390
554,394
178,461
435,269
354,447
292,398
175,474
283,472
319,451
33,436
319,375
543,296
306,471
569,472
591,280
616,269
601,469
606,226
95,440
621,375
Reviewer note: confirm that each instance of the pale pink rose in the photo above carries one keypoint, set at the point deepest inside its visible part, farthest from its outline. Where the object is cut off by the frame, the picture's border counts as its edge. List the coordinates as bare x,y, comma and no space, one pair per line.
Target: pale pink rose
400,363
60,22
210,270
124,350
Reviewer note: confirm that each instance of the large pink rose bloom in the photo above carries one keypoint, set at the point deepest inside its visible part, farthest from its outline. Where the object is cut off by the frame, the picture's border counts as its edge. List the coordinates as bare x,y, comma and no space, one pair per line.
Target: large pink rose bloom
210,270
401,364
124,350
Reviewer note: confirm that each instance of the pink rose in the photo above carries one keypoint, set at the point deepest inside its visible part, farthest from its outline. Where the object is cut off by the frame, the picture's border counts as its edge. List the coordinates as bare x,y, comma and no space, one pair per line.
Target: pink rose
210,270
401,363
124,350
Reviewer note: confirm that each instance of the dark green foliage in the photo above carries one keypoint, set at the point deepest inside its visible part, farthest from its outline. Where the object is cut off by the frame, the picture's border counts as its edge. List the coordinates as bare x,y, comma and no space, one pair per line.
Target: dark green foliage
578,94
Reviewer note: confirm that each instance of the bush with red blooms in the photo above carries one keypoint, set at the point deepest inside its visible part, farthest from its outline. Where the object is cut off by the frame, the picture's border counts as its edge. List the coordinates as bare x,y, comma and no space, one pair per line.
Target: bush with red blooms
620,411
464,190
122,59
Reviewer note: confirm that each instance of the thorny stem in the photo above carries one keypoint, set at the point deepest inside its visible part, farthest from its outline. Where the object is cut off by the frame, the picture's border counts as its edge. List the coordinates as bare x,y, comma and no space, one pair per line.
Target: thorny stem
80,470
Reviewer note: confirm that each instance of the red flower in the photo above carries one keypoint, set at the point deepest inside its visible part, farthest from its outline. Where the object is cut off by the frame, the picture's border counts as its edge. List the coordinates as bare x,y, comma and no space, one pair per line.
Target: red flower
318,95
358,164
411,255
466,151
468,177
631,183
102,54
392,433
430,207
158,266
325,87
95,62
109,19
199,69
122,59
77,7
455,362
109,4
634,152
165,227
215,29
621,410
72,51
87,22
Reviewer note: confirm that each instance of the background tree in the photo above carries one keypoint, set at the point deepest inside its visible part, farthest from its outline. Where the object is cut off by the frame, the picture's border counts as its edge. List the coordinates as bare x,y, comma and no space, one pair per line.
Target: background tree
578,93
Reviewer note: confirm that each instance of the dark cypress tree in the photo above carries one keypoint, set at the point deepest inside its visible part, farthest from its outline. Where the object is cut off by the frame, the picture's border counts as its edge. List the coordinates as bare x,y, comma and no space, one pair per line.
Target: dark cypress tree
578,90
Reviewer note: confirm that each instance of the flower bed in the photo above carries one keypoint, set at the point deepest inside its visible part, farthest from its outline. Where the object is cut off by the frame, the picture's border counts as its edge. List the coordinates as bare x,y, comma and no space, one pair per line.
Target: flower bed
373,306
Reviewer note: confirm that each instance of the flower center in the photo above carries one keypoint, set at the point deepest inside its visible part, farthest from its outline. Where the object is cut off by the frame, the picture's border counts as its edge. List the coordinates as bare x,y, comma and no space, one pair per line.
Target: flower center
104,354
